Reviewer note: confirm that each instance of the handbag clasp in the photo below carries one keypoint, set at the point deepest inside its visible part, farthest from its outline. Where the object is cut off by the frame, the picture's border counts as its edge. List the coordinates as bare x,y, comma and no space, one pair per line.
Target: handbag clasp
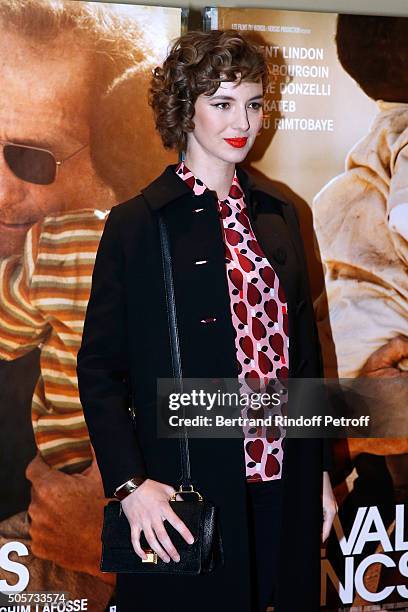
189,490
151,557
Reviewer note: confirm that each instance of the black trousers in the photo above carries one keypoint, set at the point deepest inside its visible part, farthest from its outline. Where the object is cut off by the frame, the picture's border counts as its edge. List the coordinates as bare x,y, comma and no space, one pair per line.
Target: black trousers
265,512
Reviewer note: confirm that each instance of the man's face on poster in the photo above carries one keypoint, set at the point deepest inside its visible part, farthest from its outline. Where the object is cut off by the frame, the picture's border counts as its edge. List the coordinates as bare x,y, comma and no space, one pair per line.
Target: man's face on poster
44,102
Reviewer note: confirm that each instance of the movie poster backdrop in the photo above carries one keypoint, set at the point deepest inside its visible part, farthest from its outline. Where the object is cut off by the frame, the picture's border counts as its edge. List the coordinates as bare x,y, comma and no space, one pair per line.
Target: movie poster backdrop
335,142
76,138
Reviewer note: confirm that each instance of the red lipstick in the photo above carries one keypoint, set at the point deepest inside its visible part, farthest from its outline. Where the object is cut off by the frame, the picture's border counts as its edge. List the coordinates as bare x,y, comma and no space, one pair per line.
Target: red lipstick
237,143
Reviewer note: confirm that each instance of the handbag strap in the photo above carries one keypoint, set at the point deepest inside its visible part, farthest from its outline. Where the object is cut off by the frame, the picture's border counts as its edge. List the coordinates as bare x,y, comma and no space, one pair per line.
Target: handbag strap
174,347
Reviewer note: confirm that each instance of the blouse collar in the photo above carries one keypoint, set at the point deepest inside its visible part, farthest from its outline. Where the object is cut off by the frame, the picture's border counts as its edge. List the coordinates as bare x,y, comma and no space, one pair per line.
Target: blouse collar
235,195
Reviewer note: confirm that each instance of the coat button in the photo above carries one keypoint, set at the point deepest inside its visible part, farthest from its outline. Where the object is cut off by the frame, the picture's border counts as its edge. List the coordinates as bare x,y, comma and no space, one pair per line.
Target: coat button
209,320
279,255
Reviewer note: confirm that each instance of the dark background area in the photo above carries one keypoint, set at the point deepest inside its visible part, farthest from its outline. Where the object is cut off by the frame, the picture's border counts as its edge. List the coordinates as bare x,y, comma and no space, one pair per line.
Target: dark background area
17,445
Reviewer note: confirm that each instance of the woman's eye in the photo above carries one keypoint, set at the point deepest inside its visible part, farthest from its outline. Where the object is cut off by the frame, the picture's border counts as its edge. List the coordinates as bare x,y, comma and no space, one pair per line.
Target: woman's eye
255,105
222,105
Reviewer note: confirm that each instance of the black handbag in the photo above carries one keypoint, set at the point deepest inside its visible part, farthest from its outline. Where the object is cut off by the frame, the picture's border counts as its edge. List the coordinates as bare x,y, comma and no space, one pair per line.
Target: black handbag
198,514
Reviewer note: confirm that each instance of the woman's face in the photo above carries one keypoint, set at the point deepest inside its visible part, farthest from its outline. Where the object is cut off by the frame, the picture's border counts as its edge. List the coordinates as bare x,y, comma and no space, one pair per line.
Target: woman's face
227,122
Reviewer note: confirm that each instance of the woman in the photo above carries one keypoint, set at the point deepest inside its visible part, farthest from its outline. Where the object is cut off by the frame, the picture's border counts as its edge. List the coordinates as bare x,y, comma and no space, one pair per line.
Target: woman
233,244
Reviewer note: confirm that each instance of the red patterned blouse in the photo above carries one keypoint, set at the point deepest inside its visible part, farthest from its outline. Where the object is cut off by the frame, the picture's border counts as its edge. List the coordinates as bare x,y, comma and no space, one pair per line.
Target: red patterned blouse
259,316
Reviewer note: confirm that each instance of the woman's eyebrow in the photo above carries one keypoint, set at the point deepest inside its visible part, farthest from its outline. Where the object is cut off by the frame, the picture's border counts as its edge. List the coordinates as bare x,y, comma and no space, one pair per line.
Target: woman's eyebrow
220,97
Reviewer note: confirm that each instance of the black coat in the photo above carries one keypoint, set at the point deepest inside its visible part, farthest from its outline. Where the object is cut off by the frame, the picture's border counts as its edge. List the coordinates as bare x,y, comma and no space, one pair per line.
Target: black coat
126,345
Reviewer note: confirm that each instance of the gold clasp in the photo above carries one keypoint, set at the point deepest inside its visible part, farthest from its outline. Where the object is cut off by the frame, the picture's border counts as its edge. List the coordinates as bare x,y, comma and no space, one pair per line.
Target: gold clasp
151,557
189,490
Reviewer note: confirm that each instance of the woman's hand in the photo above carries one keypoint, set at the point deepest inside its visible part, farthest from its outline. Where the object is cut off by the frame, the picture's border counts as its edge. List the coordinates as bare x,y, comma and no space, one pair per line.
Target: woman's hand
146,509
329,506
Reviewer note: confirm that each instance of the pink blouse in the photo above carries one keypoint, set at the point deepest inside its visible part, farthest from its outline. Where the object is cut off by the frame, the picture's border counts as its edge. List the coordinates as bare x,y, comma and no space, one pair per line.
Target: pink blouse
259,317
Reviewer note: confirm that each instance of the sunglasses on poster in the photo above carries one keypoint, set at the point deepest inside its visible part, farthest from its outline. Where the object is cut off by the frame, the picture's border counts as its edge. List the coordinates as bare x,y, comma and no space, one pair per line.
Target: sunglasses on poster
33,164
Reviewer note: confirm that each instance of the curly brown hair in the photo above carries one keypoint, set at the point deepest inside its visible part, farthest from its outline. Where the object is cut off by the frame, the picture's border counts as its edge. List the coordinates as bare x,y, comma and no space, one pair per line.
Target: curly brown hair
197,63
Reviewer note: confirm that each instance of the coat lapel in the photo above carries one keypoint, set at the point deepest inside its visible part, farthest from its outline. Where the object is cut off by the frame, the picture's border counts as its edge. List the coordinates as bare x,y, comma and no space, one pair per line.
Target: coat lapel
202,288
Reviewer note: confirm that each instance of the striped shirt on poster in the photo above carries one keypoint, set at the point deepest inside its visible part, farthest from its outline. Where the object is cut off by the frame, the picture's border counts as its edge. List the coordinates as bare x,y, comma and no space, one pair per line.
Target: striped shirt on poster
43,298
